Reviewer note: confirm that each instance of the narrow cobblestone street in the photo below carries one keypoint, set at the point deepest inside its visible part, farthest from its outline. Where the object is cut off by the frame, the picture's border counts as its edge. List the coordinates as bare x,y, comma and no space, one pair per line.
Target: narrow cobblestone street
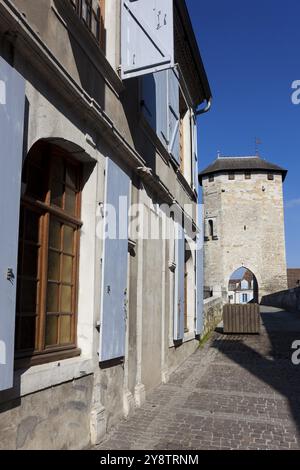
237,392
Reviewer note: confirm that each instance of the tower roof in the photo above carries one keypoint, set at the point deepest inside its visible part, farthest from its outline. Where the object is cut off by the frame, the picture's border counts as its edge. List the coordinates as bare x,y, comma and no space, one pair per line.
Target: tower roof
255,163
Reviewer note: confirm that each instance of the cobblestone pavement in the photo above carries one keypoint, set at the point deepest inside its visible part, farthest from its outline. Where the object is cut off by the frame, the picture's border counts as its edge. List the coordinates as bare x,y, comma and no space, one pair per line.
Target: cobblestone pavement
238,392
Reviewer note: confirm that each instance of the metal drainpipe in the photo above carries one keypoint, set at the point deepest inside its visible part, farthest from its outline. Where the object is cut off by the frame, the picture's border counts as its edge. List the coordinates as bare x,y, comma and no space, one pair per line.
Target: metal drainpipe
206,109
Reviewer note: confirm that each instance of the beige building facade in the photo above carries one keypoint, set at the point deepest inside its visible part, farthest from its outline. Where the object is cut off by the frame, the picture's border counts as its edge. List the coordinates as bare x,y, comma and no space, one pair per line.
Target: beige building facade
89,325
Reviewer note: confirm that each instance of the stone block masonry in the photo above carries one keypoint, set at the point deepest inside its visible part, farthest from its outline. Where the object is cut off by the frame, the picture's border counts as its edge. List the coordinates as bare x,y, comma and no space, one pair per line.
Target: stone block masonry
244,221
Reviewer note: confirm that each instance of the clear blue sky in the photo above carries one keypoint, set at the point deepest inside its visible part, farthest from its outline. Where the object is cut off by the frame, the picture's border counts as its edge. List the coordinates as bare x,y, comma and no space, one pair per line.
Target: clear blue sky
251,52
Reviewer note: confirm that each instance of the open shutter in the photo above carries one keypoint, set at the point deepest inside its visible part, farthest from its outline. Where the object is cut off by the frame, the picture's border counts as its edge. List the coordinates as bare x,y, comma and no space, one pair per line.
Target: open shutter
155,103
147,36
12,102
162,129
114,267
199,286
174,115
195,153
179,300
199,272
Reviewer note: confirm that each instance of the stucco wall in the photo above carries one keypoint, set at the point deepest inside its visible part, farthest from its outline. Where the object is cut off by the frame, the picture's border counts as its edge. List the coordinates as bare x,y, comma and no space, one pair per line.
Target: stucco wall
68,403
56,418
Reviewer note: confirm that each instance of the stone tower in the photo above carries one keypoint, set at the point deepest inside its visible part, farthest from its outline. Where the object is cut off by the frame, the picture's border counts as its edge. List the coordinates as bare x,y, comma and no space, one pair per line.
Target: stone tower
244,222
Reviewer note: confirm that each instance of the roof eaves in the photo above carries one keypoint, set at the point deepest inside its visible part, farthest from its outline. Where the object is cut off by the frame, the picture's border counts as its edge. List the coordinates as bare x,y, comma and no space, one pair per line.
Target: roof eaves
186,21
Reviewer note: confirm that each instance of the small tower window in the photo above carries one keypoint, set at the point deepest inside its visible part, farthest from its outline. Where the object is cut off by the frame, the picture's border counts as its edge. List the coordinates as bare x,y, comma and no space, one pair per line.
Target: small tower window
247,175
231,176
270,177
211,228
211,179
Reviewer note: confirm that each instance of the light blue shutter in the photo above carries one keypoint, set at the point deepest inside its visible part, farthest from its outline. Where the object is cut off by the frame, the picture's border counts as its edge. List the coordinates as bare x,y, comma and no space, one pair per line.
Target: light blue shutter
155,103
114,267
199,274
174,115
179,300
147,36
195,153
12,101
162,129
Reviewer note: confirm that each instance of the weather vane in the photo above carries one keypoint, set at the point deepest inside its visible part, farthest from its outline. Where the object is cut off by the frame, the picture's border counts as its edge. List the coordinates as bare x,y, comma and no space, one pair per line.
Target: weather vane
258,142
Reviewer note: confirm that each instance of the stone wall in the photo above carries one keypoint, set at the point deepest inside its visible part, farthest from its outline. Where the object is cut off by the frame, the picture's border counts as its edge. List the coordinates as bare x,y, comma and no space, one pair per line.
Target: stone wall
248,221
288,300
56,418
213,311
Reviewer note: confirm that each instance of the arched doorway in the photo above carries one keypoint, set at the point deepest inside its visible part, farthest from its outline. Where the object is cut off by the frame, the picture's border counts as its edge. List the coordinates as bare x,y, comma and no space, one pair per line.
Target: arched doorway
242,287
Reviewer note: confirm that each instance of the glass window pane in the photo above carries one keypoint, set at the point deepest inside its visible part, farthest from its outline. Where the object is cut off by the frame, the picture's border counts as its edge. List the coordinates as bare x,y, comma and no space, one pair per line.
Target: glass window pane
54,233
51,330
30,261
57,191
35,183
29,296
32,220
20,258
53,266
66,299
71,176
52,297
21,223
70,201
28,330
67,269
65,329
95,25
68,239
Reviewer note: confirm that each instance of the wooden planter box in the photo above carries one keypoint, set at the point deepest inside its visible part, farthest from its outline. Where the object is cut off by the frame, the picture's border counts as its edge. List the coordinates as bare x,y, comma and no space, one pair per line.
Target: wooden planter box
244,319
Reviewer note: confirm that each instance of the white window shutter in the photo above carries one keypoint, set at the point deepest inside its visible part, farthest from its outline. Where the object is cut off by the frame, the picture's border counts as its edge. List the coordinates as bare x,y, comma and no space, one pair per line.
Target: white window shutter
12,102
114,267
195,153
200,272
174,115
155,103
162,128
147,36
199,286
179,297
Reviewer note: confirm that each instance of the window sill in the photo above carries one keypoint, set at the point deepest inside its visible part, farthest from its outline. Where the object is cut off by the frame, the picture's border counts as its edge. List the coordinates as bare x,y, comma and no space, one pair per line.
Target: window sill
188,337
38,359
43,376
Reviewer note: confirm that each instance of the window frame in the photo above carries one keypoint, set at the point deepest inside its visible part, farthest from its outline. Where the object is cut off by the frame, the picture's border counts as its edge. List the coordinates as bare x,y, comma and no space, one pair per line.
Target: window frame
248,175
41,352
271,177
98,15
231,175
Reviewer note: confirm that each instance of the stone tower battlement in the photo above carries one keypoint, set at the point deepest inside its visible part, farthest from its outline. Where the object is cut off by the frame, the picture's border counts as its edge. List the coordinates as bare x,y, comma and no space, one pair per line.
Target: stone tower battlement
244,222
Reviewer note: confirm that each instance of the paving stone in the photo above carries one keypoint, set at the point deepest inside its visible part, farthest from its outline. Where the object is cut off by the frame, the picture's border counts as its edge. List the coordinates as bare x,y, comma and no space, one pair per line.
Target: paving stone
238,392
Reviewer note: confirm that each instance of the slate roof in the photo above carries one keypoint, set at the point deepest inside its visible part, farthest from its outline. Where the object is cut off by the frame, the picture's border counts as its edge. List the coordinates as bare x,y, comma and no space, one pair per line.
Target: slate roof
226,164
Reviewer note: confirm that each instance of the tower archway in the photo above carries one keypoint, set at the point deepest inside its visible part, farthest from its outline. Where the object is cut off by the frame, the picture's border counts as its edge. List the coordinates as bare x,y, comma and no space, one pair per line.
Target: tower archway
243,287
